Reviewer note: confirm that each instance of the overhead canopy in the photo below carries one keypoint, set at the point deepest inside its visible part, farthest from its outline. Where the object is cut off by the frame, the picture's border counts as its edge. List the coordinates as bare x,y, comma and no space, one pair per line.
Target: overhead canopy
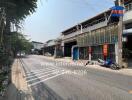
127,32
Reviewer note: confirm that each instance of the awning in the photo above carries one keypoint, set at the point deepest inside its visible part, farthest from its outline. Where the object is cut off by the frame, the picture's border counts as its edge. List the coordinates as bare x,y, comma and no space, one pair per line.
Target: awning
127,32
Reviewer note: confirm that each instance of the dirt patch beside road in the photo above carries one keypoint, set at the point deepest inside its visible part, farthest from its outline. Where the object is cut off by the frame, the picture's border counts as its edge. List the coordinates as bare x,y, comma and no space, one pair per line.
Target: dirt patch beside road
18,90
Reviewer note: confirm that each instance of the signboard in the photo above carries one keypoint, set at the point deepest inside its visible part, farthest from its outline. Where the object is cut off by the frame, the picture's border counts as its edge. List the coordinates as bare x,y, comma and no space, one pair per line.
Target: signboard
90,50
105,49
117,11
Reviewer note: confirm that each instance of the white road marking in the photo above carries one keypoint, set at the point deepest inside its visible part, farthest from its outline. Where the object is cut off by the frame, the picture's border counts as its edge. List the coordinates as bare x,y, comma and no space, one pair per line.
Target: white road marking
45,68
52,68
41,73
57,72
44,71
45,79
37,70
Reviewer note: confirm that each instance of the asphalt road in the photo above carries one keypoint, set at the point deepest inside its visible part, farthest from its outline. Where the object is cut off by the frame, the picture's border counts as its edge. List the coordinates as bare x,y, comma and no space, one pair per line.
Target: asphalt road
52,80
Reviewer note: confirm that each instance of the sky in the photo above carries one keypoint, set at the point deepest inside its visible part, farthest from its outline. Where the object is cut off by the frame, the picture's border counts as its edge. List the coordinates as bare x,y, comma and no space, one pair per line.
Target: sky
54,16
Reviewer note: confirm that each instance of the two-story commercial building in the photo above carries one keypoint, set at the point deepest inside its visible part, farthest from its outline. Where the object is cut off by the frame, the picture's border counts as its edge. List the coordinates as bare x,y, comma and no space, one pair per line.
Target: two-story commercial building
97,37
127,34
127,20
90,36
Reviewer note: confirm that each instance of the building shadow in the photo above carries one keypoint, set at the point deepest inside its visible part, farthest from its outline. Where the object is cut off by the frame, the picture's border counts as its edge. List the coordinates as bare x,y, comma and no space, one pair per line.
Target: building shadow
24,56
43,92
13,93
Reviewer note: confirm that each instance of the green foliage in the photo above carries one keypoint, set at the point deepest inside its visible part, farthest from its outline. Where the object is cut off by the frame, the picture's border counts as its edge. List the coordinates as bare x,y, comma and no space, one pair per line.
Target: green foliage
3,57
17,10
20,43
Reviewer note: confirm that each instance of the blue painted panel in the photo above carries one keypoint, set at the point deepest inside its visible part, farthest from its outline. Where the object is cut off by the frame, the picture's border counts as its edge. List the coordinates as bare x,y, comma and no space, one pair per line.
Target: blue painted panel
75,53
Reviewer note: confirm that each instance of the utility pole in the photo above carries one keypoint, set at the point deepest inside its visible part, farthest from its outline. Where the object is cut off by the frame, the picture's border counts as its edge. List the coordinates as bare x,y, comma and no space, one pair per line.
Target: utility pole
120,32
81,31
90,49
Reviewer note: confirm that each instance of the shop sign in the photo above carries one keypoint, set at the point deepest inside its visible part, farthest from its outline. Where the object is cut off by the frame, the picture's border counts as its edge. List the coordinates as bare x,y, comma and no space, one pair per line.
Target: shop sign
90,50
105,49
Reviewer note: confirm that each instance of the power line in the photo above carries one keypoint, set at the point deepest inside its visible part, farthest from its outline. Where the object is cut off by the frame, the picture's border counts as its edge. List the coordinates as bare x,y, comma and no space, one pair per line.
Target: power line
90,4
86,4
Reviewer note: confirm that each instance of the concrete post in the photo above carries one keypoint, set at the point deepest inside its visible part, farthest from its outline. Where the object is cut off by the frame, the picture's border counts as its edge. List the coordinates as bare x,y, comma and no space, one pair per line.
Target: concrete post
90,51
63,48
120,31
90,57
116,52
55,52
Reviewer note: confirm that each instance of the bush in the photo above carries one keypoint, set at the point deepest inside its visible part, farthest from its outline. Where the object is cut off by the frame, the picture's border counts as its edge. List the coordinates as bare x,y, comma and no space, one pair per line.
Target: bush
5,59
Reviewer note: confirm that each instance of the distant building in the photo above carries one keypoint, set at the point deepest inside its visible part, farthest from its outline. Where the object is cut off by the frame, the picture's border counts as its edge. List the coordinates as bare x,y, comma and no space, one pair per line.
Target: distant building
49,48
37,47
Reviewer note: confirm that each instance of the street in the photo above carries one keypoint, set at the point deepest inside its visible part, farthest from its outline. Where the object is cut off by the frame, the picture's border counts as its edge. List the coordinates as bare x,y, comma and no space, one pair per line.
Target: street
65,50
54,80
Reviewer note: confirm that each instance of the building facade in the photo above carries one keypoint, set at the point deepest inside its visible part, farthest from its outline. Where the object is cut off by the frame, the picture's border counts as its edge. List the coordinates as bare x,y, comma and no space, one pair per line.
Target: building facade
127,34
90,37
37,47
49,48
97,37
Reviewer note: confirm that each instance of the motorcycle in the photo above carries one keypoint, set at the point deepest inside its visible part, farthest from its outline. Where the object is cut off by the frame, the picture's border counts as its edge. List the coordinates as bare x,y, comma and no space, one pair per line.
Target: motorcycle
109,64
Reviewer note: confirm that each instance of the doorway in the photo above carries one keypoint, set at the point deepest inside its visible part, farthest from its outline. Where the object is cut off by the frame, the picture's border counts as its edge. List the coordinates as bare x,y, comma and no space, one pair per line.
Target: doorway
75,53
68,48
127,50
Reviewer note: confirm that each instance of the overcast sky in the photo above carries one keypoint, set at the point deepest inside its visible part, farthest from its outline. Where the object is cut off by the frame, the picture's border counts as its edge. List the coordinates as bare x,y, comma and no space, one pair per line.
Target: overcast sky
54,16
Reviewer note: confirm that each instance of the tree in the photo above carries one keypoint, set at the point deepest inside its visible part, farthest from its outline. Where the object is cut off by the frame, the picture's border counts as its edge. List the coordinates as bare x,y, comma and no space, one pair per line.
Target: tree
15,12
20,43
18,10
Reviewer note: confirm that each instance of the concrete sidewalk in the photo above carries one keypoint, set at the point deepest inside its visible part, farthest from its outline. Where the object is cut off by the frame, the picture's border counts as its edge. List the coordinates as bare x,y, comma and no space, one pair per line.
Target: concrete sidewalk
18,89
125,71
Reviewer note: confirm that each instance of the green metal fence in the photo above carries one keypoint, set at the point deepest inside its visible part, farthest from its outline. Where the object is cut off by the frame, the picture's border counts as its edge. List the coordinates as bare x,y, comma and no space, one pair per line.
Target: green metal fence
108,34
96,39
